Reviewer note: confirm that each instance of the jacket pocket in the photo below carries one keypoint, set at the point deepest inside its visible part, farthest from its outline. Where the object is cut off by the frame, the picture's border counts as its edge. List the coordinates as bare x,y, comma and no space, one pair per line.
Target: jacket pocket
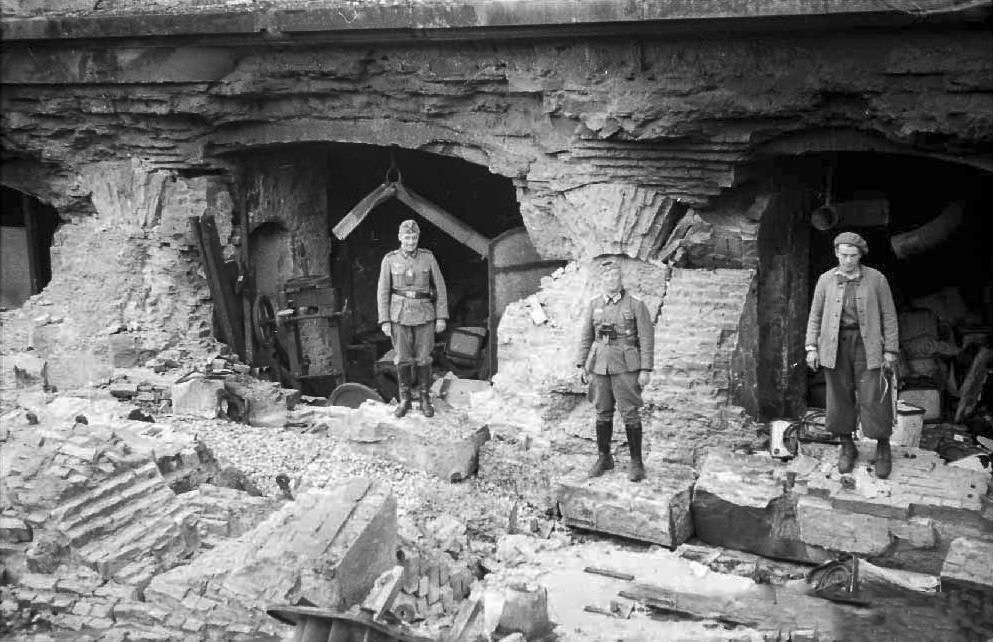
632,358
396,306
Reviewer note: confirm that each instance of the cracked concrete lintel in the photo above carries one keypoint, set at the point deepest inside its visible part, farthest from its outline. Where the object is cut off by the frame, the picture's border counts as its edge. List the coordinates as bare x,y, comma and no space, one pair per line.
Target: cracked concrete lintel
418,19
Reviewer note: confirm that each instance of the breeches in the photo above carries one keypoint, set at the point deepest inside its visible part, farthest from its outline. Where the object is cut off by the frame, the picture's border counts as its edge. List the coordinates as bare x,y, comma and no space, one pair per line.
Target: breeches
854,392
620,390
413,343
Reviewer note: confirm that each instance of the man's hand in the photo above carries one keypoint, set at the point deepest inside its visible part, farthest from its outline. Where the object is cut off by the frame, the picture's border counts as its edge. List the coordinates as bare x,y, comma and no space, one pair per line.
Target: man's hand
584,377
385,327
813,362
643,378
439,326
891,362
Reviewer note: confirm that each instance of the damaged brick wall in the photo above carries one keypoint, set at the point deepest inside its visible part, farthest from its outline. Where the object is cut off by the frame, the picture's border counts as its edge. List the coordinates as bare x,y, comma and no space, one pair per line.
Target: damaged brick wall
126,280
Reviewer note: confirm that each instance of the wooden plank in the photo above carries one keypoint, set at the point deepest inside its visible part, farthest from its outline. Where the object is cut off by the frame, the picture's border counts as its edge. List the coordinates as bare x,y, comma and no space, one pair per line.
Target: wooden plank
446,222
221,289
358,213
27,208
972,387
607,572
383,592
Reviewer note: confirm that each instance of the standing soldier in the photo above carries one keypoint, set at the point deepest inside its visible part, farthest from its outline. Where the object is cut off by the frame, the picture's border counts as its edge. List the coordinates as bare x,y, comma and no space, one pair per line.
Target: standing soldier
413,306
616,351
852,332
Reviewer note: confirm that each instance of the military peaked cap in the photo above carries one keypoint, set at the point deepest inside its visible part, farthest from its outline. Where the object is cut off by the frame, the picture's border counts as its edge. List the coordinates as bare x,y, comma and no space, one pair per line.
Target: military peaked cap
410,227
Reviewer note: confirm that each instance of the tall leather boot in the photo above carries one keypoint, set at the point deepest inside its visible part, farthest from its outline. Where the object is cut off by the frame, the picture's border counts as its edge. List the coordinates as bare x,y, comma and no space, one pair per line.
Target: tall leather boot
424,377
403,381
604,461
637,471
849,453
884,459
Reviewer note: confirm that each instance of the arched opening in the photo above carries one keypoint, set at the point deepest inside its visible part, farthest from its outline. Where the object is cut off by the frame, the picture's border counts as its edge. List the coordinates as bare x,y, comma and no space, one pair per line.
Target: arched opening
925,222
27,226
293,195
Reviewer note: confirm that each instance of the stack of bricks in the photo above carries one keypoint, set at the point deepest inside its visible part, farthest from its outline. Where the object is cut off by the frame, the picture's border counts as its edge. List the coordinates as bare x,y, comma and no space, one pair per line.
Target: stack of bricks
432,587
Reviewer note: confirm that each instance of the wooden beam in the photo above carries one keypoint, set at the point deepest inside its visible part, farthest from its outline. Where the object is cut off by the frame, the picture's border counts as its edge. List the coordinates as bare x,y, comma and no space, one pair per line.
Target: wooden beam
358,213
221,288
30,234
446,222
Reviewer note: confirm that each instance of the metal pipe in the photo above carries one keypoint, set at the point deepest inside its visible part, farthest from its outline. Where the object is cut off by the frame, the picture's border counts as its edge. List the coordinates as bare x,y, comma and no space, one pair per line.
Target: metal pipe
930,235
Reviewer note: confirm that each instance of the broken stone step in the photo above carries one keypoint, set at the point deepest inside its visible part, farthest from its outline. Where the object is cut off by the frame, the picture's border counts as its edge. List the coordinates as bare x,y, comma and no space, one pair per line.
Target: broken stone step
153,546
656,510
108,488
128,501
111,554
120,516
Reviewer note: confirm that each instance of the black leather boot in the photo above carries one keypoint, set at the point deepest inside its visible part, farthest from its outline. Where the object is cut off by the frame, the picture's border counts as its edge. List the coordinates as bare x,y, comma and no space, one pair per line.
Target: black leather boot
605,461
403,381
849,453
884,459
637,471
424,378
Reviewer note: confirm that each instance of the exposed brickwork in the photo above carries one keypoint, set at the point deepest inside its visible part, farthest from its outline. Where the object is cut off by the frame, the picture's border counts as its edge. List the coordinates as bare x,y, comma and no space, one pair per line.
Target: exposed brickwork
690,394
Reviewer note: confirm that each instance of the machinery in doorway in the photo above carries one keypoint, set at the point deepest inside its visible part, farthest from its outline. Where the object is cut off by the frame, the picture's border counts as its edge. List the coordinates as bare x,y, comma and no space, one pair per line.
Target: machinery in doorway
300,340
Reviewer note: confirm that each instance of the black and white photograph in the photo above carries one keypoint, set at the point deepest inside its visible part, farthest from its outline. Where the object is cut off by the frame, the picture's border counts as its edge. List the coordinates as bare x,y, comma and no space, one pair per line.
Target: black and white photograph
496,320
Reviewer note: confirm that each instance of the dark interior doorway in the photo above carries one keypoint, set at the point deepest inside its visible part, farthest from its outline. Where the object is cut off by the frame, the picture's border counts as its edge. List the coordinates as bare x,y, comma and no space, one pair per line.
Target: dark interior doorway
933,248
484,201
27,227
292,196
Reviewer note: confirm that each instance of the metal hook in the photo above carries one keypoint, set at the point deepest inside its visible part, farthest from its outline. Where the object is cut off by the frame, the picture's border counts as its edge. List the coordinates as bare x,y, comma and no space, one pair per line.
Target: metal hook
393,168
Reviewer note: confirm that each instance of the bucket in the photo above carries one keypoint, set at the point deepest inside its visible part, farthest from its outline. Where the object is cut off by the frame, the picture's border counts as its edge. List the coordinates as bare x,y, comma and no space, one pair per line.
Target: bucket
909,423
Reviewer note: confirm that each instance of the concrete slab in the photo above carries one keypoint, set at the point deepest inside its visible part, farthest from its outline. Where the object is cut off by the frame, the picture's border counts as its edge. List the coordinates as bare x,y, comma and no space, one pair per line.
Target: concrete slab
806,511
327,547
655,510
446,445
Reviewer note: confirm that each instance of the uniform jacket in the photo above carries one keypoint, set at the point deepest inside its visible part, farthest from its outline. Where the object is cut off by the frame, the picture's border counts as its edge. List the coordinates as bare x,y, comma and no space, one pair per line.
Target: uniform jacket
411,273
634,347
876,313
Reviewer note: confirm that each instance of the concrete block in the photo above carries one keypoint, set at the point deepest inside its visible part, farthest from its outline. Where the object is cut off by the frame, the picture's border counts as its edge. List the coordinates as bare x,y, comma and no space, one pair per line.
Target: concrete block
969,563
197,397
656,510
440,446
517,608
739,502
13,530
328,547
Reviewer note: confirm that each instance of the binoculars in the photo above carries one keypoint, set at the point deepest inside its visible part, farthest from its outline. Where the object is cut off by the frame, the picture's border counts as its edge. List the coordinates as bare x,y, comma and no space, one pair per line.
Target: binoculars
606,331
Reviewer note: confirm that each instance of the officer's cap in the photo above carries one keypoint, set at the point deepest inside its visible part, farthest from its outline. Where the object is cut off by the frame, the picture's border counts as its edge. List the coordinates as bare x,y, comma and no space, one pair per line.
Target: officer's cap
608,265
851,238
410,227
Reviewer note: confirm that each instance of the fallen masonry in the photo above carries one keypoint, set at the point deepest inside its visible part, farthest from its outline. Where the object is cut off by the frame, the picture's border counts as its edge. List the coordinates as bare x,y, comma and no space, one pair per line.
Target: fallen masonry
325,548
657,510
806,511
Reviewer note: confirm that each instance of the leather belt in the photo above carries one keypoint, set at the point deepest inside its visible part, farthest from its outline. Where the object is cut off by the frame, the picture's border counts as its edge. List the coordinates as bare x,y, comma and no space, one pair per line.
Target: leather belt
621,342
412,294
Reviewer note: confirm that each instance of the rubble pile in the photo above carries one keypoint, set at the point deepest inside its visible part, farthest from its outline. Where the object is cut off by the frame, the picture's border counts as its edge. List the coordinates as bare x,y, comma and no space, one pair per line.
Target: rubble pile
198,520
326,547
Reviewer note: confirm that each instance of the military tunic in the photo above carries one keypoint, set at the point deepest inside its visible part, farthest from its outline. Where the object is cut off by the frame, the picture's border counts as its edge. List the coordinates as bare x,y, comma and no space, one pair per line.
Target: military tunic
614,358
411,296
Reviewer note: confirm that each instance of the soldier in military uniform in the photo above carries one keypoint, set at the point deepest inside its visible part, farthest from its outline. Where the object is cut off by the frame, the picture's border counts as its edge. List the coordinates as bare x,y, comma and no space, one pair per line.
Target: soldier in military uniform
616,353
413,306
